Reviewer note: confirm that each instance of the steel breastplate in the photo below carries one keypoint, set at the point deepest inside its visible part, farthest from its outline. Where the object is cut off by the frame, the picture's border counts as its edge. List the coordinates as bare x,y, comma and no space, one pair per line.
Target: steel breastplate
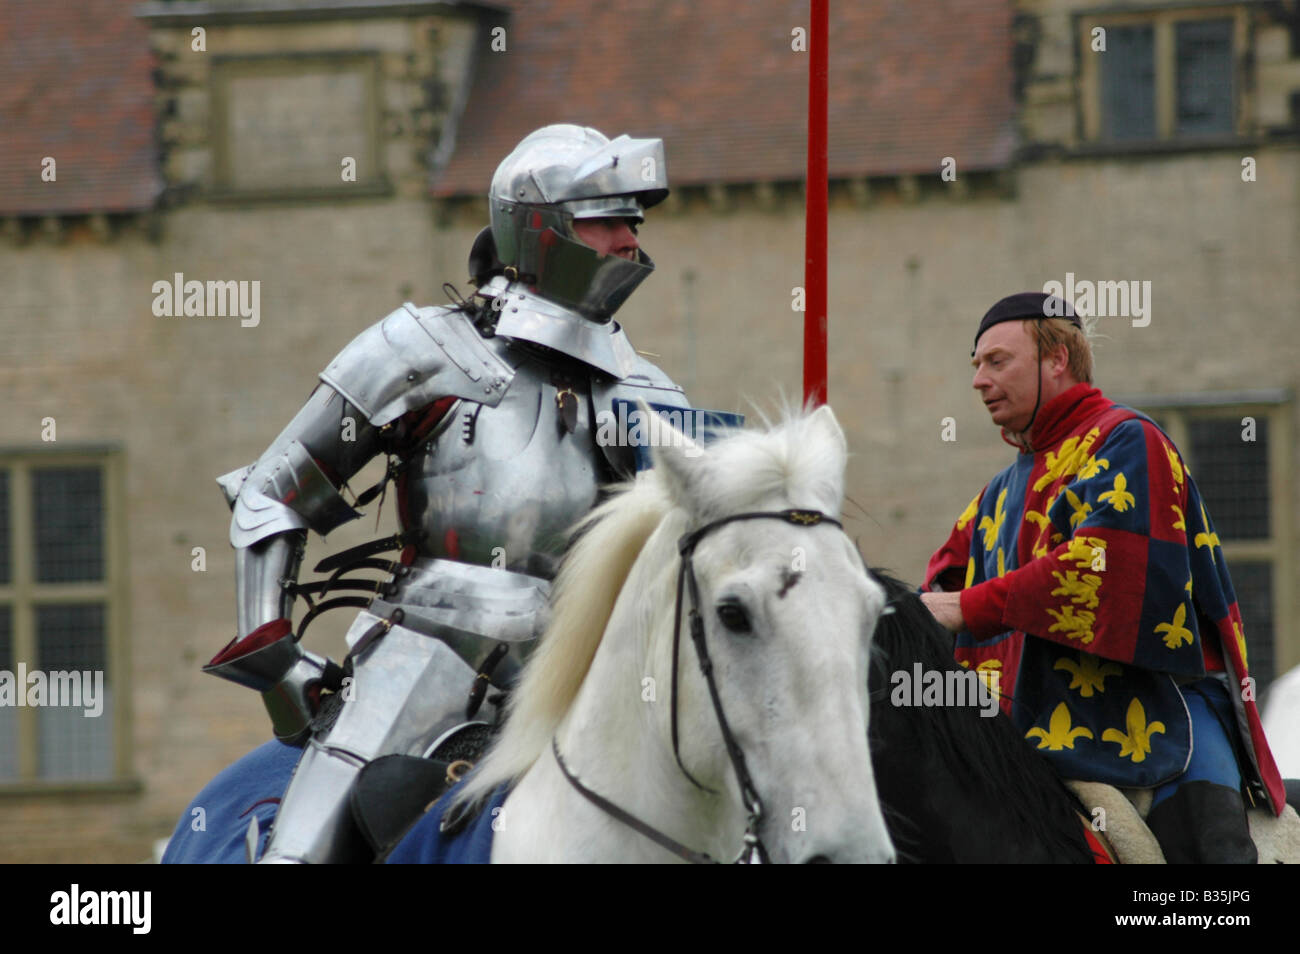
501,486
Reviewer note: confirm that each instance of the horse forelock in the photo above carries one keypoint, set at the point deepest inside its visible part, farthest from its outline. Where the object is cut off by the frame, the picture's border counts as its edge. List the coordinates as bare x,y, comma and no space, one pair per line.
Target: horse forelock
794,463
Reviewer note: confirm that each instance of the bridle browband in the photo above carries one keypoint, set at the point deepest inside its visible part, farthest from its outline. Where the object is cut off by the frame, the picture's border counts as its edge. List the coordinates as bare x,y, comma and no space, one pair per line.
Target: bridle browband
752,851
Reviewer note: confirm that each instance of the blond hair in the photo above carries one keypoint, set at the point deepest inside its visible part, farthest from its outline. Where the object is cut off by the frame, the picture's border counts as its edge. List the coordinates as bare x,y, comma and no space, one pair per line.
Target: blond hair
1051,333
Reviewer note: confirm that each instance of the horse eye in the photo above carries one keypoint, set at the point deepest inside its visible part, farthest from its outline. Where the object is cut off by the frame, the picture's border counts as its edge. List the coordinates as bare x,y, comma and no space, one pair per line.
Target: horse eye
733,616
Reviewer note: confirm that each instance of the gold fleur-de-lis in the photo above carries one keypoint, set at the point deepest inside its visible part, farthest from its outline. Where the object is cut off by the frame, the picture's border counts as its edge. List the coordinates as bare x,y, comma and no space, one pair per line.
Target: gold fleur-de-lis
1043,523
1002,563
990,526
1175,632
1119,497
1175,466
968,514
1136,743
1093,467
1089,673
1079,508
970,573
1059,734
1241,641
1208,538
1181,522
990,673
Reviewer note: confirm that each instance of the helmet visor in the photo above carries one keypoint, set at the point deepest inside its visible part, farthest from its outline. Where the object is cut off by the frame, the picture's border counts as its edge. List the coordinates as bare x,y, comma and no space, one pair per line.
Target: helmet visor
606,207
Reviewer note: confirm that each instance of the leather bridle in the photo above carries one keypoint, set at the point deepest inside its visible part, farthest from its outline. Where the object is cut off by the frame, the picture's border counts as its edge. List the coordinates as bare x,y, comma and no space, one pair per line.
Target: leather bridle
753,850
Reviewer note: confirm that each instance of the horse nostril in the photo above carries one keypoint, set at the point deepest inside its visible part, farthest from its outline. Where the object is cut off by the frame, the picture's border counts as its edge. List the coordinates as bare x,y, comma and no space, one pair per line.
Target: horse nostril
818,860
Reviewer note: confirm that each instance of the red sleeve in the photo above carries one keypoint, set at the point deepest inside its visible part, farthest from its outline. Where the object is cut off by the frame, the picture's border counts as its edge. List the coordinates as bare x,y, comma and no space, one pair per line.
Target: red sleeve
984,605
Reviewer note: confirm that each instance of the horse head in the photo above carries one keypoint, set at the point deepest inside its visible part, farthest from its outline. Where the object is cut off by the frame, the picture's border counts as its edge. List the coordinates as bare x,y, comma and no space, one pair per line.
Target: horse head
786,611
783,608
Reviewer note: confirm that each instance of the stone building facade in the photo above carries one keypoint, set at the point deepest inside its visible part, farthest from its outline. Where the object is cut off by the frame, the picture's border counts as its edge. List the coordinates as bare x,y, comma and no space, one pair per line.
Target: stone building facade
977,149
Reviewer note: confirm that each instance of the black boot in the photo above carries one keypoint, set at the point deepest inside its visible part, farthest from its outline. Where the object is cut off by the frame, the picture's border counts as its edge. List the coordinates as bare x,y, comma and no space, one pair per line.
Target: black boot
1203,823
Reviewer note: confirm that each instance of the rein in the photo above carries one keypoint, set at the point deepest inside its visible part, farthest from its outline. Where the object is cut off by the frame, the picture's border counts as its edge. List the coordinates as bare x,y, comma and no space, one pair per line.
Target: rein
753,850
627,818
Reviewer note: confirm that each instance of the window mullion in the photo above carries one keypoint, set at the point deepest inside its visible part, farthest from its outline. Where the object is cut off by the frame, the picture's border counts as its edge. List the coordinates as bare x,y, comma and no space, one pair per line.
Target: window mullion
1166,70
24,614
1286,647
1090,83
1243,85
117,614
1178,433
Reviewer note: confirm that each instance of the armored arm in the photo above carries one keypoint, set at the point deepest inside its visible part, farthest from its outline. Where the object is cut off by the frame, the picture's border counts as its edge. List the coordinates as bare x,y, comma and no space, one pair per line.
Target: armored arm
292,488
403,363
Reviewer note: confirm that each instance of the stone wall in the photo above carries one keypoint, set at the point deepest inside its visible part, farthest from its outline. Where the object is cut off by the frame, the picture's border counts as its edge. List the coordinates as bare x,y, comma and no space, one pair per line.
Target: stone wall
912,269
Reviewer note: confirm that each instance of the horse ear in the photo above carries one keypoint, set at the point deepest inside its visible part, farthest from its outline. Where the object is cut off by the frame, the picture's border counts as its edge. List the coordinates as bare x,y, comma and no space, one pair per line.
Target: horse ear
824,431
678,458
825,426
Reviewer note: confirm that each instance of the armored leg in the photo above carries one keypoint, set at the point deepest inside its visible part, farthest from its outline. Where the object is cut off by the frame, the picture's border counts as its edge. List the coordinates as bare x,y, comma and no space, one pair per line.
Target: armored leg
409,690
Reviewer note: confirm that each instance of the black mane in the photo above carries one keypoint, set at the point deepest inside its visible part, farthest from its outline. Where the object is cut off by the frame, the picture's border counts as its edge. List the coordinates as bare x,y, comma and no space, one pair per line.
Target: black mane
985,758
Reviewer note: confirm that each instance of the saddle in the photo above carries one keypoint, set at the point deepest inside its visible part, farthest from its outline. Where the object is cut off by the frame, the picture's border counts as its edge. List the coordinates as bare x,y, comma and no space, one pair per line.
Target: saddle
392,792
1277,837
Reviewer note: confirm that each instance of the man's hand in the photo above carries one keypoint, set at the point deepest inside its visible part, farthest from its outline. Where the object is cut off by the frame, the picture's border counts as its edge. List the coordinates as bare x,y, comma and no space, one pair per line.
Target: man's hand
946,608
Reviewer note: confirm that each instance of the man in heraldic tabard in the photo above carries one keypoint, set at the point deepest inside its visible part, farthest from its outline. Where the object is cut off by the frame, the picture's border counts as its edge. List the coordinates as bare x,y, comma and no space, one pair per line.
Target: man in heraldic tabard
1087,581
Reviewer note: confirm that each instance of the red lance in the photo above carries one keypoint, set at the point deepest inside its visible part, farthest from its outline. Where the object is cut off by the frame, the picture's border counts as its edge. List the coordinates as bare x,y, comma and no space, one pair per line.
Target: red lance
816,190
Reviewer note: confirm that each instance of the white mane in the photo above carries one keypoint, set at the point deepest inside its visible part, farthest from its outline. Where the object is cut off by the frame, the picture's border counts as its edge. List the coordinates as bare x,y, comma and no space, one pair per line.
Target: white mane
794,464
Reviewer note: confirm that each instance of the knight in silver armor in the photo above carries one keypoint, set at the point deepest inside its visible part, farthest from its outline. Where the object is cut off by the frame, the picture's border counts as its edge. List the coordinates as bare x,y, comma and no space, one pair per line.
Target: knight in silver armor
487,412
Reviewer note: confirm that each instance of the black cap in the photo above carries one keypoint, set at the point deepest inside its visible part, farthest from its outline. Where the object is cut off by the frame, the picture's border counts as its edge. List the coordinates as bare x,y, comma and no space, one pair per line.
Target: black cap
1025,305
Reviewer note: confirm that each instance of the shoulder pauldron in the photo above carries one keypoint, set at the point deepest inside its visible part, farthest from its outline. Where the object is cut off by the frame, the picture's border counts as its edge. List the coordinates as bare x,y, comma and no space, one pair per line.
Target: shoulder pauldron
413,357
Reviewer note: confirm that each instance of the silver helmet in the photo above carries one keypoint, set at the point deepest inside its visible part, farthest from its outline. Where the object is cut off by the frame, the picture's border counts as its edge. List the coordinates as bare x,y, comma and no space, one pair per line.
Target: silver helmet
556,175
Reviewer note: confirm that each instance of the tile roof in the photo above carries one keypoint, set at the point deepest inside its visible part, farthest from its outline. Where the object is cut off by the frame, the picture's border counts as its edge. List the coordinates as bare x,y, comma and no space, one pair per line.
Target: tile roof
76,84
911,82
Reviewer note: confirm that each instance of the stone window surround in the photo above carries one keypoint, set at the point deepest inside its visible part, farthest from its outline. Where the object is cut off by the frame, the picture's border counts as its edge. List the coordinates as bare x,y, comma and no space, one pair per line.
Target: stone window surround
21,592
1163,19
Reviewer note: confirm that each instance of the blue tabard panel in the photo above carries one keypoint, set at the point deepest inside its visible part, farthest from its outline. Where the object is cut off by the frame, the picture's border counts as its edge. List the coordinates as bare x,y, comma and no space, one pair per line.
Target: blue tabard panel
635,431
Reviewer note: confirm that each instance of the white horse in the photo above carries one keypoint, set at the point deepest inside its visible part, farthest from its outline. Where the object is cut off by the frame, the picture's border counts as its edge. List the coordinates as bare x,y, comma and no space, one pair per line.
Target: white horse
787,611
1281,719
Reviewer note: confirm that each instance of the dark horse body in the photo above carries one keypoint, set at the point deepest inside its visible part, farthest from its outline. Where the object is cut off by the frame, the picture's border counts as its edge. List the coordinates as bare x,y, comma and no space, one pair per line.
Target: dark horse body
957,787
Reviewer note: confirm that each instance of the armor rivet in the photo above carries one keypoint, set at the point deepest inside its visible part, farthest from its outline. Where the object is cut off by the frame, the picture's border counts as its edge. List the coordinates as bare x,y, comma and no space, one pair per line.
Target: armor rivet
412,376
514,309
487,390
